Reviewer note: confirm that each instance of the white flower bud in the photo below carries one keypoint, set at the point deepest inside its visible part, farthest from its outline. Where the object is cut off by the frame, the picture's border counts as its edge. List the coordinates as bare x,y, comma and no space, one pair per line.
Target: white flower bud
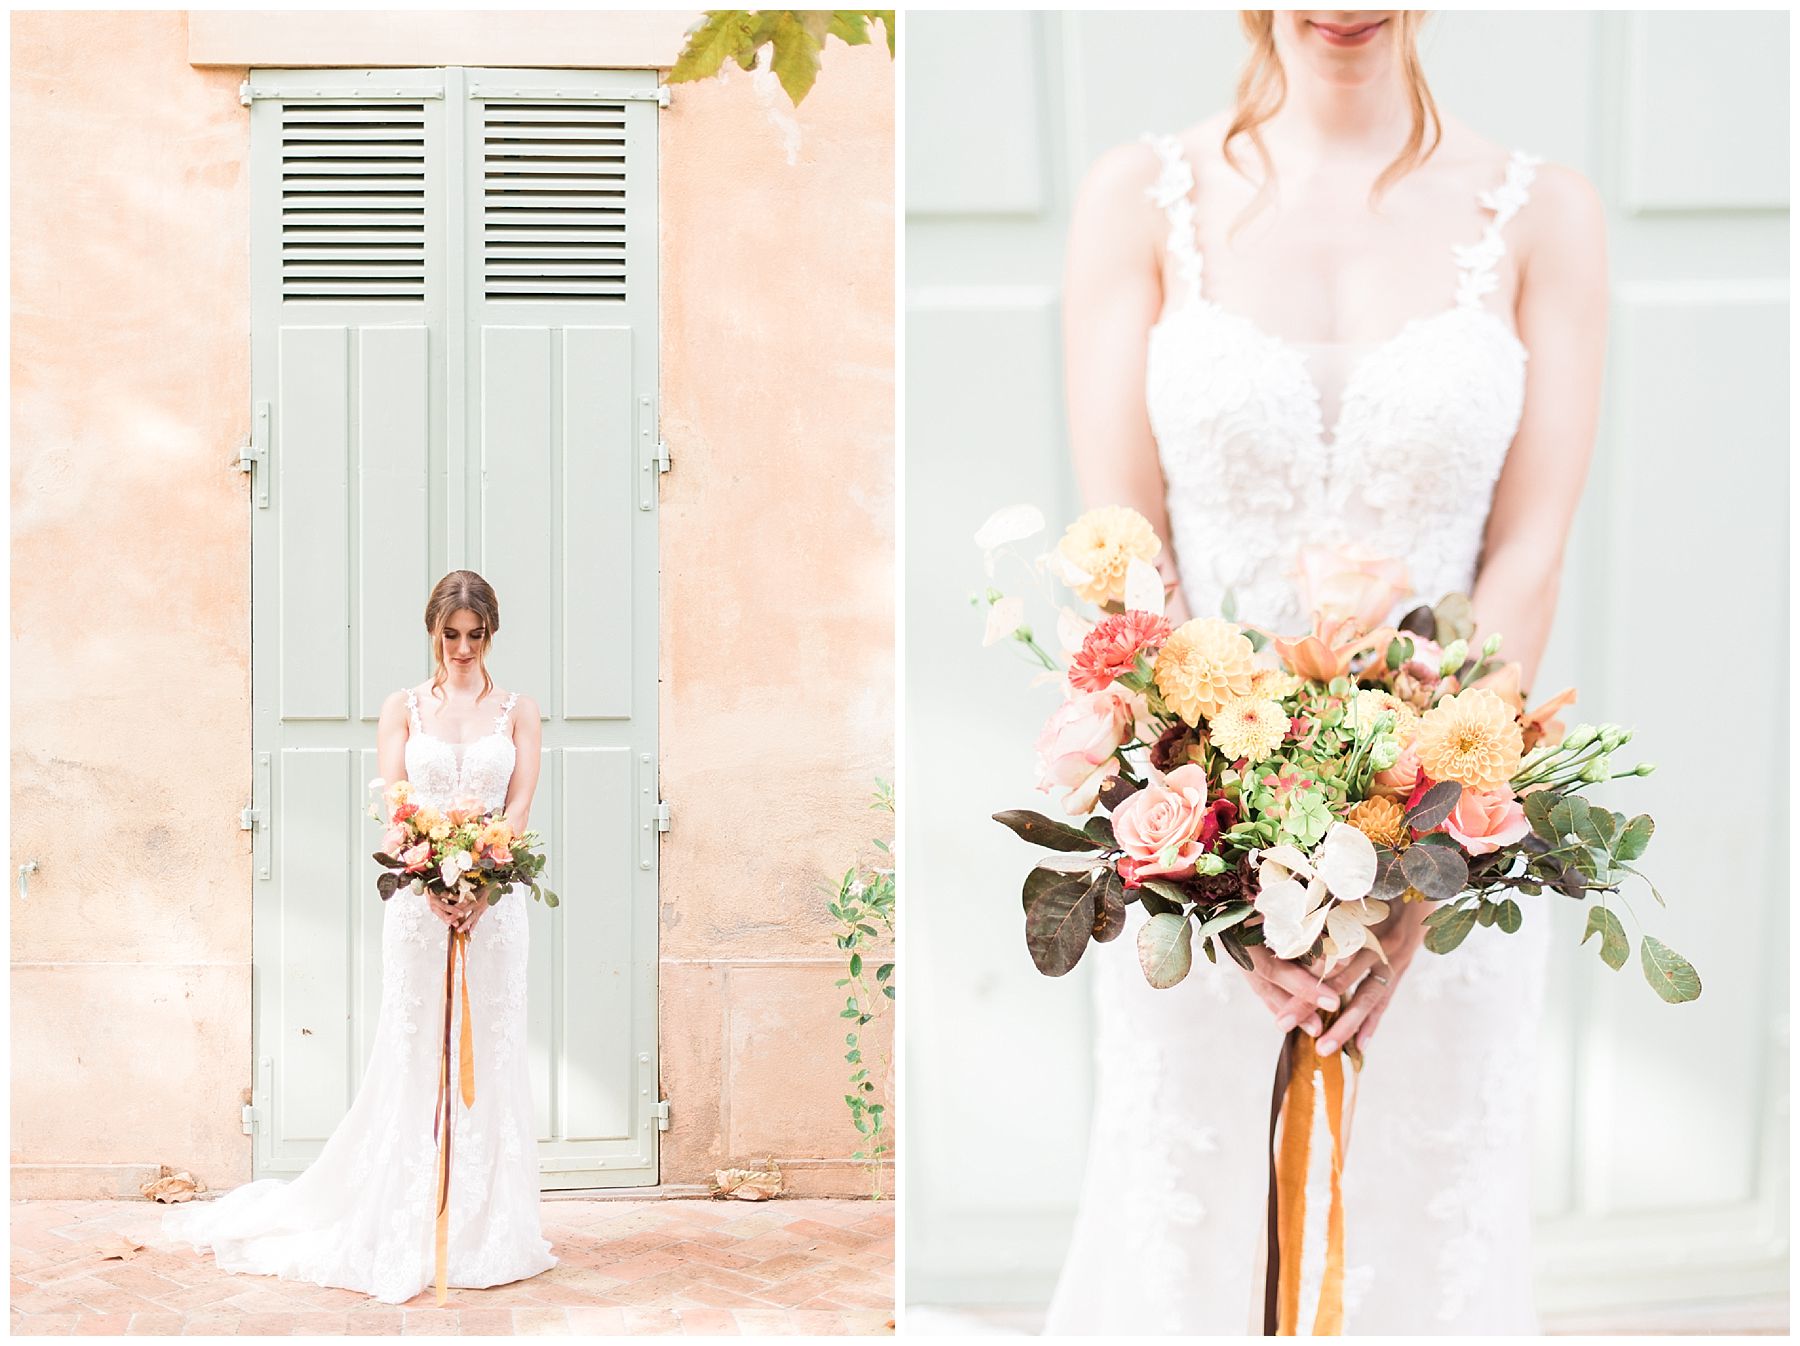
1579,737
1490,647
1454,655
1597,770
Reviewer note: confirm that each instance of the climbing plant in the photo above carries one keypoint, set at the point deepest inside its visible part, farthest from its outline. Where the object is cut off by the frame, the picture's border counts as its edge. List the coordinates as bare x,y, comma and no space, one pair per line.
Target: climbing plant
862,903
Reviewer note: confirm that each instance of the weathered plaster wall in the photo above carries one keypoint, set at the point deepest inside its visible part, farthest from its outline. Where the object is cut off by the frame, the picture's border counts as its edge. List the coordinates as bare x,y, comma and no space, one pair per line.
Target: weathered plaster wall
131,710
777,654
131,617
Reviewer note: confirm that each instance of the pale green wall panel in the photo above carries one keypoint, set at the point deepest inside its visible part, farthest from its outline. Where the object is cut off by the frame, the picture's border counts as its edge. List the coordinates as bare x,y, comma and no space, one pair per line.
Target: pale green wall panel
312,459
393,440
598,498
310,1039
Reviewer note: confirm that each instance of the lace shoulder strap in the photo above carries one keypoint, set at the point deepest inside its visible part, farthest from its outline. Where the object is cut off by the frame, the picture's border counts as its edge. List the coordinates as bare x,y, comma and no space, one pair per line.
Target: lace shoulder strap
505,710
1475,262
412,710
1173,192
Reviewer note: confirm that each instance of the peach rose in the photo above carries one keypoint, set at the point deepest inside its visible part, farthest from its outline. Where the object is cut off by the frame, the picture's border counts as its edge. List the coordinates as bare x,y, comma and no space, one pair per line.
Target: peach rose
418,858
1160,827
1340,585
394,840
1079,746
1397,781
1485,822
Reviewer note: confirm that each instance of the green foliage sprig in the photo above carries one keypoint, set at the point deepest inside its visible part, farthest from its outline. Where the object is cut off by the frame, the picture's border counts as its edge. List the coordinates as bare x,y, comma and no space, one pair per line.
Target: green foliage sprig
862,903
797,36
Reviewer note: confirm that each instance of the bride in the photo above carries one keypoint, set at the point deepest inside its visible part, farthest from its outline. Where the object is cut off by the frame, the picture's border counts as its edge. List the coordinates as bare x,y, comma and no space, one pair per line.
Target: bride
363,1214
1329,315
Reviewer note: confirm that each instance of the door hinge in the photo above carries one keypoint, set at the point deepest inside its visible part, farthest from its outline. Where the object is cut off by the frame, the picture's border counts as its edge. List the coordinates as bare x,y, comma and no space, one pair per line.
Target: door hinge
249,817
662,456
253,454
662,815
249,1119
661,1114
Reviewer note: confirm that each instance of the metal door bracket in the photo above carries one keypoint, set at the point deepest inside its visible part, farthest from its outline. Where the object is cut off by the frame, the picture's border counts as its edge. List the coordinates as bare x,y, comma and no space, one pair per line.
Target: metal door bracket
249,1119
661,1114
662,816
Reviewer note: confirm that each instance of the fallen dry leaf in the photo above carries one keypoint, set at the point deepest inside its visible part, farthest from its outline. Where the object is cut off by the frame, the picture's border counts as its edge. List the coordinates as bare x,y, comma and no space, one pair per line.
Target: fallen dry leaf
117,1245
745,1184
169,1185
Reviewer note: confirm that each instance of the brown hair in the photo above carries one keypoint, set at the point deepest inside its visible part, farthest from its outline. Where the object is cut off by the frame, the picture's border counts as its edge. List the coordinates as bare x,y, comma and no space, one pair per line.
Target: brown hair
1262,87
458,590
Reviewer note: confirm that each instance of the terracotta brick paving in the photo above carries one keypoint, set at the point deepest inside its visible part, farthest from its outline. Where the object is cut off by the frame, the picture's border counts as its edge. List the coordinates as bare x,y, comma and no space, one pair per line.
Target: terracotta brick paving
675,1268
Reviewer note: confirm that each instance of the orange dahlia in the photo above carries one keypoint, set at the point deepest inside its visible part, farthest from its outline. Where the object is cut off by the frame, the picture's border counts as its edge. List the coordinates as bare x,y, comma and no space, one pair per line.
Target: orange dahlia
1471,738
1112,647
1204,664
1379,820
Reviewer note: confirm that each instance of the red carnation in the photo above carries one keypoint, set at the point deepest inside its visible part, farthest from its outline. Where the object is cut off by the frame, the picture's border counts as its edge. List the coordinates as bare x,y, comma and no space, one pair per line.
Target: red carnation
1111,648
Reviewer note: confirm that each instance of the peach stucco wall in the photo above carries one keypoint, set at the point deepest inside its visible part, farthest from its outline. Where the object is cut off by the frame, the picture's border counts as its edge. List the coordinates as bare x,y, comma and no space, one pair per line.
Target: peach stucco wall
131,662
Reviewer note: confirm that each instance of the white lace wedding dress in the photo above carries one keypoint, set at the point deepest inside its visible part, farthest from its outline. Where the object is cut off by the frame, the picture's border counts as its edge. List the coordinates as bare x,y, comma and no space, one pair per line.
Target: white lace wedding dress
363,1214
1437,1177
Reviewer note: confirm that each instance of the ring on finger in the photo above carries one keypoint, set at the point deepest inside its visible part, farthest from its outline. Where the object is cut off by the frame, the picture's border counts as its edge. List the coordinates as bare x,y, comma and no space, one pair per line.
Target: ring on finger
1378,977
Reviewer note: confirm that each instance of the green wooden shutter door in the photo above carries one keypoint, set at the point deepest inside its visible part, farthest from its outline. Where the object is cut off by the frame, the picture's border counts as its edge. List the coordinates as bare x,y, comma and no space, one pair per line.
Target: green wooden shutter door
454,315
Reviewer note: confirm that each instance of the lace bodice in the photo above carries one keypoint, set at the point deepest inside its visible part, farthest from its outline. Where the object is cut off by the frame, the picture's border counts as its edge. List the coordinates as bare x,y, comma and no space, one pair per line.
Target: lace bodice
441,775
1421,430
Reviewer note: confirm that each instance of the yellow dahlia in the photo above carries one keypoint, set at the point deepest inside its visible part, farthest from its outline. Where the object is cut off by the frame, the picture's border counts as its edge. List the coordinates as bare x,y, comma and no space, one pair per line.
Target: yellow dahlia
1204,664
1100,545
1249,727
1271,684
1371,702
1471,738
1380,821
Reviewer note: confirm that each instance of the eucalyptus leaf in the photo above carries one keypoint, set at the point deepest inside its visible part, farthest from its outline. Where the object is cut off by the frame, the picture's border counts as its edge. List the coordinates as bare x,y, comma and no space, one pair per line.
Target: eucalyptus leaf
1635,839
1234,941
1042,831
1434,806
1165,950
1510,918
1224,919
1163,888
1569,817
1099,827
1420,622
1108,892
1445,935
1436,871
1390,876
1672,975
1455,619
1614,947
1538,805
1037,883
1060,924
1157,905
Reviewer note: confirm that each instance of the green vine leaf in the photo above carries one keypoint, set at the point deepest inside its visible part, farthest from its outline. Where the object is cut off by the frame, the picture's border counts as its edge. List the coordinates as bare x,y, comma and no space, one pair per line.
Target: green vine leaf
1614,947
1672,976
1165,950
796,38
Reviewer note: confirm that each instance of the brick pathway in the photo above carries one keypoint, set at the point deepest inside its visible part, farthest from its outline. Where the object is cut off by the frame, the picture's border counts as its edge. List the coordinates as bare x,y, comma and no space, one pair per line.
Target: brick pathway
792,1266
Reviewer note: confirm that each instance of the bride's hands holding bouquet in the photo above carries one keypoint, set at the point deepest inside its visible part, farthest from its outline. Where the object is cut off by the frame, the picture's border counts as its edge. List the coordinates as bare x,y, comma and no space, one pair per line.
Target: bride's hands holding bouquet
1366,986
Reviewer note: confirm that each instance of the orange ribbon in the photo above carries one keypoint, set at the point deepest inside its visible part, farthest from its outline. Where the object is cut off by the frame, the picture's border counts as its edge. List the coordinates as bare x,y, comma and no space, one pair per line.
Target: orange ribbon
458,943
1290,1159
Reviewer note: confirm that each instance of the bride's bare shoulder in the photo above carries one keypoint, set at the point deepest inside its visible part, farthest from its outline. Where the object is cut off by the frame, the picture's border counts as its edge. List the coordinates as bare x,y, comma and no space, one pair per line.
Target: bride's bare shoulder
1114,198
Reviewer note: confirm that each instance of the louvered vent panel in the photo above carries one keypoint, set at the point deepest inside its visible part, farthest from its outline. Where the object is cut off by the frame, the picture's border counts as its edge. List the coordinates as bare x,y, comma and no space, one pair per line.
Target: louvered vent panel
353,202
553,202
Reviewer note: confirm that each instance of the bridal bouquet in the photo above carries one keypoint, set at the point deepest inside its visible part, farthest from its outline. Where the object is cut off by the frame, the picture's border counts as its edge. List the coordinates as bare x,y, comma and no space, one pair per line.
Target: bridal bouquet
1253,787
462,853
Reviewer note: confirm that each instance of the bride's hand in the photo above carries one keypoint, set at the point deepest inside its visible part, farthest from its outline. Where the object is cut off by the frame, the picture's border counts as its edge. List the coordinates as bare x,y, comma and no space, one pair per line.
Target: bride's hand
447,912
477,909
1293,995
1401,936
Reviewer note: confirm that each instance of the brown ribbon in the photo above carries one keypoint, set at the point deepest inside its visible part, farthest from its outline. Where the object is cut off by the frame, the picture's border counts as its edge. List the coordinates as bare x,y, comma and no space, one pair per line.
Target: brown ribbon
458,943
1290,1156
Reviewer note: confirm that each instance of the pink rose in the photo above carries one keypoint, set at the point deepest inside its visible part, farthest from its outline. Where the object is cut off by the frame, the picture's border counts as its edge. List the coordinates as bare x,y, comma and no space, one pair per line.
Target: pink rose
1159,828
1485,822
394,840
419,857
1079,745
1338,584
1399,779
